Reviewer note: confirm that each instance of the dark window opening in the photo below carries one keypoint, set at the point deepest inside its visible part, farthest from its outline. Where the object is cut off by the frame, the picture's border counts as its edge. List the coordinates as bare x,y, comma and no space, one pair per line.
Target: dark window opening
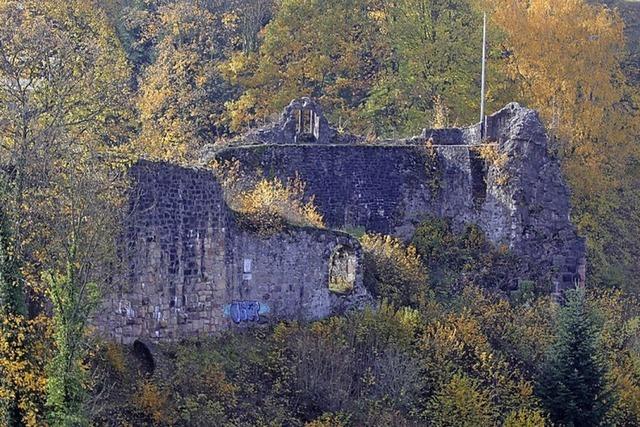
307,127
478,178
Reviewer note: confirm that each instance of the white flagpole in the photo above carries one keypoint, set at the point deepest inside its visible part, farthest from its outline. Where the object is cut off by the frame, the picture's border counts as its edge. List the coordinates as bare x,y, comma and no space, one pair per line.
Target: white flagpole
484,66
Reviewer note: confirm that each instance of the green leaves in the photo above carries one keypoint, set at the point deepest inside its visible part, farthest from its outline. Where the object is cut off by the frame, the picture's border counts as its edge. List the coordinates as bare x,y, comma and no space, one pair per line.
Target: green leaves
573,383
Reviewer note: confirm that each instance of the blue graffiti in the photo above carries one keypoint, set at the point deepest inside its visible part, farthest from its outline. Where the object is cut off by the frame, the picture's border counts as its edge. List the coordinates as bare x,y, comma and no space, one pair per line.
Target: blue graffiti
244,311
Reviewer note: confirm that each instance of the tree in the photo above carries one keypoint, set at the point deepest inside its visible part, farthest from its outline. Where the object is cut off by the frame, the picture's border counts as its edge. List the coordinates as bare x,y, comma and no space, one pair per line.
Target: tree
570,70
565,59
63,110
85,221
525,418
12,306
331,50
182,94
12,293
434,65
618,313
63,87
253,15
573,383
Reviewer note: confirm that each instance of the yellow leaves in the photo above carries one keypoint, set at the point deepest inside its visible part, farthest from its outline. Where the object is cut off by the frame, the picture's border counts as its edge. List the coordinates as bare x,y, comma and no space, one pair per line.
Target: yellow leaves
24,350
182,94
568,63
498,162
525,418
154,402
270,201
378,15
239,111
393,249
394,271
565,57
324,49
230,20
266,203
237,63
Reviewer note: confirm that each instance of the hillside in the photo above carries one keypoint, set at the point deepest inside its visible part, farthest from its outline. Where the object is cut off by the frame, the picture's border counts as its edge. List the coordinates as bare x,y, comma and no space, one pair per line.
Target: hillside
291,213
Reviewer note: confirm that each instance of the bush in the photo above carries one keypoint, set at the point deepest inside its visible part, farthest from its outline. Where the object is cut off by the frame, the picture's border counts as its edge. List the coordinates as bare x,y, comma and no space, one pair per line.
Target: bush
526,418
266,205
393,271
358,364
154,403
457,260
461,402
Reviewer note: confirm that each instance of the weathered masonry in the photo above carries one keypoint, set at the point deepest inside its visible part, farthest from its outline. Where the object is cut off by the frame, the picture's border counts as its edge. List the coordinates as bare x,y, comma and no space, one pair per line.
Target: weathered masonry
507,183
192,269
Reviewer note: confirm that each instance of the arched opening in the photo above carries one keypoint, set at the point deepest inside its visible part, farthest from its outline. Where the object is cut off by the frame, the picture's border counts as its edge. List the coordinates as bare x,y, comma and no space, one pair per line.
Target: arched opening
144,356
342,270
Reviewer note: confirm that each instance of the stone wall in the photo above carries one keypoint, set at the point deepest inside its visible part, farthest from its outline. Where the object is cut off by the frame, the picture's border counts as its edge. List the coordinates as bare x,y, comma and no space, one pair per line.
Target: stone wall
191,269
516,195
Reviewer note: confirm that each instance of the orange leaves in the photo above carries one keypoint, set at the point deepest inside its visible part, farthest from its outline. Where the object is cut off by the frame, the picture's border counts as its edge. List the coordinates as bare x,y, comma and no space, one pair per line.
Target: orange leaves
566,57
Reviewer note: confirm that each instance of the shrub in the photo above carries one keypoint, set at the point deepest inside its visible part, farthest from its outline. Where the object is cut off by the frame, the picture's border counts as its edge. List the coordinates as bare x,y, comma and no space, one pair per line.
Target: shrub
492,156
330,420
266,205
356,364
154,402
461,402
270,204
115,357
457,260
394,271
526,418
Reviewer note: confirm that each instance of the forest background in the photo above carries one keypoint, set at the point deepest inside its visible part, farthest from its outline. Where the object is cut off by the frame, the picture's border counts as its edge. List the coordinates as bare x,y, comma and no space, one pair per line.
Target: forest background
88,87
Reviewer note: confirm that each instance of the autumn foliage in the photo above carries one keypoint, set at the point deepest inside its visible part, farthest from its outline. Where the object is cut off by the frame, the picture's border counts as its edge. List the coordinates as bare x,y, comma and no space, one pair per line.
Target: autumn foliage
87,87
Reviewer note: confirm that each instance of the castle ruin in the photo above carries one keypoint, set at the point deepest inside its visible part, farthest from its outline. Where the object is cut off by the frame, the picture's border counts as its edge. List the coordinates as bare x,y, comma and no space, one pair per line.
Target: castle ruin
192,269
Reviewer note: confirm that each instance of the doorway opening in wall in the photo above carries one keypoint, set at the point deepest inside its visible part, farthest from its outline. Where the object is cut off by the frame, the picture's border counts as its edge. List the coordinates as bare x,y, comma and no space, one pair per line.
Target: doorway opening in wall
342,270
478,178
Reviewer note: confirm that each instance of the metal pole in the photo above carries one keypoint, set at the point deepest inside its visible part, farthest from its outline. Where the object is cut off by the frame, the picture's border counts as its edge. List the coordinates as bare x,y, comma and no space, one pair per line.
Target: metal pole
484,66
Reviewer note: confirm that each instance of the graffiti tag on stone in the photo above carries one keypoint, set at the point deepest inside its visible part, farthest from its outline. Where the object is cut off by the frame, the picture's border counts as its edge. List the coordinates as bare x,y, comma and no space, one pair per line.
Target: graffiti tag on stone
244,311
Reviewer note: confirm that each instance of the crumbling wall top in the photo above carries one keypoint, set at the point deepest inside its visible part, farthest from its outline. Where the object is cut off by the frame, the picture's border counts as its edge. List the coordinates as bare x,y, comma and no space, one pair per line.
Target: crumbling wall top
301,122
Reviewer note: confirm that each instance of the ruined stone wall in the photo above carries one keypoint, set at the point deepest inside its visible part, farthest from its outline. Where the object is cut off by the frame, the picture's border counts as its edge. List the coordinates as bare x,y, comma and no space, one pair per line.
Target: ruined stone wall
378,188
516,195
190,269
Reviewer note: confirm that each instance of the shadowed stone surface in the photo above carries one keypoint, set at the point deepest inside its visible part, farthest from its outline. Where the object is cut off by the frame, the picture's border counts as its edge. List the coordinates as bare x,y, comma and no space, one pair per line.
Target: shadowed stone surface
519,199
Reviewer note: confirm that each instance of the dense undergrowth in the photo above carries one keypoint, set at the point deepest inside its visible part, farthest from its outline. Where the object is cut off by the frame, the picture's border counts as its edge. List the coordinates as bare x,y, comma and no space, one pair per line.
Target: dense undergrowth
466,357
88,87
477,360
